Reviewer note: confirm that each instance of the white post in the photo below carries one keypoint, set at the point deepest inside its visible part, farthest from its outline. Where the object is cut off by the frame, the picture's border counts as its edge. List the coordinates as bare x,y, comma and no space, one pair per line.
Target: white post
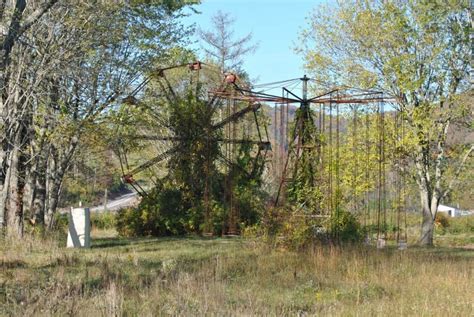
79,234
105,199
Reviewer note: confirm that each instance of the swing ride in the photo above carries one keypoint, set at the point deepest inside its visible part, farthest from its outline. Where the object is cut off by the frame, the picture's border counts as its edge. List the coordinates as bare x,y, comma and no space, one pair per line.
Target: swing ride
316,139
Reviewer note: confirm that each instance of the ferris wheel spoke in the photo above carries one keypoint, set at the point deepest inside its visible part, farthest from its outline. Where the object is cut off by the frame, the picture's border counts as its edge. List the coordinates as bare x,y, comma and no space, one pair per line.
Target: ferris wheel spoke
158,138
128,177
236,115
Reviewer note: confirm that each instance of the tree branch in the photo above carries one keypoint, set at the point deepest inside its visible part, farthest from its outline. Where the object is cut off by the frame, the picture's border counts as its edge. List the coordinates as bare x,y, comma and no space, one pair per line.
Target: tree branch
35,16
458,171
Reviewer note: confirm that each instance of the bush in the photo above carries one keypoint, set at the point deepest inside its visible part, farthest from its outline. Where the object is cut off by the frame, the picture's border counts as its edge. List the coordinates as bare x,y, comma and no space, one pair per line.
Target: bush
61,223
128,222
289,228
297,228
298,231
123,223
461,225
104,220
345,227
174,209
164,213
442,221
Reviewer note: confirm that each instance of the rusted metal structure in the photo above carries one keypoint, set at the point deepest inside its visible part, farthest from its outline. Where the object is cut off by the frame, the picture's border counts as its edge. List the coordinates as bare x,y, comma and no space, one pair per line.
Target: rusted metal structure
227,110
306,137
310,141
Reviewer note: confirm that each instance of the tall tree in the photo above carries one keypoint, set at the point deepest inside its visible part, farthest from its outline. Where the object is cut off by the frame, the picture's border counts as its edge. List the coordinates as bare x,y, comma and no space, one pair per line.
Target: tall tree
417,51
221,46
17,18
78,62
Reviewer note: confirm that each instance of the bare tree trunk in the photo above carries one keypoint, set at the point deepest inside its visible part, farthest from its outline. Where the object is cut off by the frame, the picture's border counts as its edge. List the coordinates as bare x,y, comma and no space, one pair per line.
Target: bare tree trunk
39,195
28,194
60,163
3,158
14,203
54,192
37,199
50,188
4,175
427,225
426,194
53,200
430,190
28,160
2,191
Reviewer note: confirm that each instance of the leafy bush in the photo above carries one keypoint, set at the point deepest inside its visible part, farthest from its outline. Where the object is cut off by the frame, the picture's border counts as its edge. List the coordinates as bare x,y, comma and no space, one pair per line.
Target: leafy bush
460,225
104,220
128,222
297,228
289,228
60,223
297,231
164,213
345,227
442,221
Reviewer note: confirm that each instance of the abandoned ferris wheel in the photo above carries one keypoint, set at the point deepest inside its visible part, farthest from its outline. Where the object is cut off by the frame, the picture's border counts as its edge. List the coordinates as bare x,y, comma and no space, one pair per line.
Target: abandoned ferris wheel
225,123
304,148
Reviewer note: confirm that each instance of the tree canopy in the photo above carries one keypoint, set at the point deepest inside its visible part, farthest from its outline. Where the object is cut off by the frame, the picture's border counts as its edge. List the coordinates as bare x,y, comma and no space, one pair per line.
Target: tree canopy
418,52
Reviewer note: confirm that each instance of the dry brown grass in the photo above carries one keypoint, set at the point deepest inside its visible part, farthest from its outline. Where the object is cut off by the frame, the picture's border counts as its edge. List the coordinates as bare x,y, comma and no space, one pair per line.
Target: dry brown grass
147,277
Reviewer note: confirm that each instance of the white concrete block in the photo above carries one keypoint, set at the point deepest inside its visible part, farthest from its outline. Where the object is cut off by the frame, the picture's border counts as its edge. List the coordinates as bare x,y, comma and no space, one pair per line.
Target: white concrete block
79,233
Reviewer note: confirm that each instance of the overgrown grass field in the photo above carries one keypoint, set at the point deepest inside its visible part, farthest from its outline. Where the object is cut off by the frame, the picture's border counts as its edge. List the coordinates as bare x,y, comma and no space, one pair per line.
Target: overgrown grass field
196,276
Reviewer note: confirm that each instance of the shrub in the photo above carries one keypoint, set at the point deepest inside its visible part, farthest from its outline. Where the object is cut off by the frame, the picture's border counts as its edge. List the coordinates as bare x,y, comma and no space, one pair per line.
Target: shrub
458,225
296,228
290,228
345,227
127,222
174,209
104,220
442,221
298,231
164,213
60,223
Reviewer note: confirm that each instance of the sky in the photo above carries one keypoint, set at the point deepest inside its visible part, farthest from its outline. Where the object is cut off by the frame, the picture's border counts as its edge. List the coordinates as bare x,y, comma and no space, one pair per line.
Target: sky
275,25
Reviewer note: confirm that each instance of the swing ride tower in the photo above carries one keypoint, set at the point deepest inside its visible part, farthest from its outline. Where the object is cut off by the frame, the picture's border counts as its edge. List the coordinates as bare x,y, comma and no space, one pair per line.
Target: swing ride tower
315,156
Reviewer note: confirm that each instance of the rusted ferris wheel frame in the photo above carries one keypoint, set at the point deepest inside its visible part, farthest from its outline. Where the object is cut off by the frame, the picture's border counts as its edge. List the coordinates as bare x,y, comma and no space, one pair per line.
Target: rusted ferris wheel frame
228,87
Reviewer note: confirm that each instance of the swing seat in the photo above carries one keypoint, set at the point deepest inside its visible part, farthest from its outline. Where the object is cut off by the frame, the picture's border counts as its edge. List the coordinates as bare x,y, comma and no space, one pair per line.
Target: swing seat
402,245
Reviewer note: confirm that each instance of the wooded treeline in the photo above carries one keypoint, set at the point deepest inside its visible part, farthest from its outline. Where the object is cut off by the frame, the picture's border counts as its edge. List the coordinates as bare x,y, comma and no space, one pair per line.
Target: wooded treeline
63,65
